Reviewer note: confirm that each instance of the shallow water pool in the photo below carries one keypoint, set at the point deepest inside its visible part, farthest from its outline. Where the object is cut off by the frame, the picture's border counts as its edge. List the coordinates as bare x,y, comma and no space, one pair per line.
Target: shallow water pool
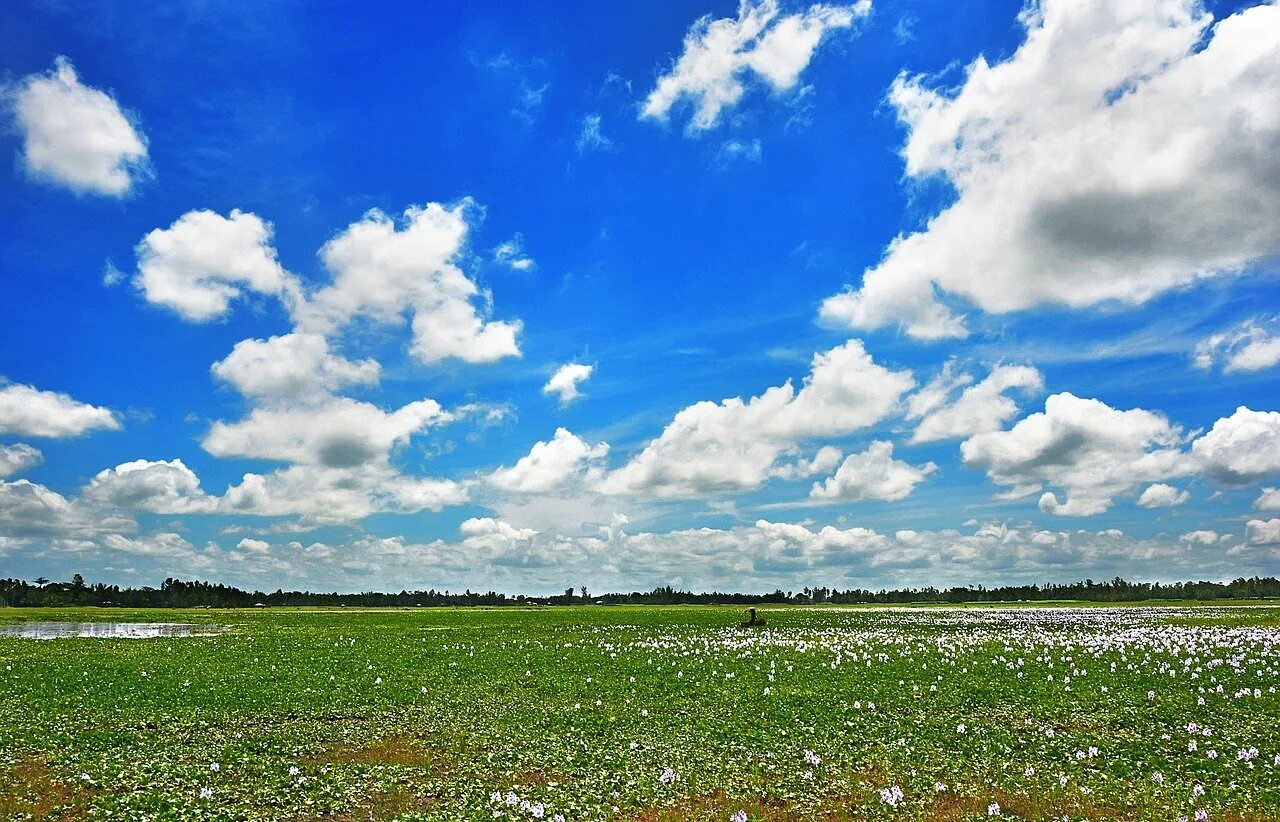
108,630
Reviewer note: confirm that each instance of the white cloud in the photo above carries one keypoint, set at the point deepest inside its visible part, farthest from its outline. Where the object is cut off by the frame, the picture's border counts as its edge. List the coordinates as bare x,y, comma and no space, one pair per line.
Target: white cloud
733,445
168,546
873,474
979,408
16,458
255,545
1200,537
198,265
383,270
497,553
296,365
1251,346
75,135
30,412
824,460
761,44
732,150
327,495
481,527
1125,149
1242,448
591,137
1084,446
552,464
511,253
1262,532
1160,495
338,432
564,383
160,487
29,509
1268,500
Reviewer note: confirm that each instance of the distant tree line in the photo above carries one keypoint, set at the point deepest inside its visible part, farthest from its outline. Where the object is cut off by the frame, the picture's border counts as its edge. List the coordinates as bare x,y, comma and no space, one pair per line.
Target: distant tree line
174,593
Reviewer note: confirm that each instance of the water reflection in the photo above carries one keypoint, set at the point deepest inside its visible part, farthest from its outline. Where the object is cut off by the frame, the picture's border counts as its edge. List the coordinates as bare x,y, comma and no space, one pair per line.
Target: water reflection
108,630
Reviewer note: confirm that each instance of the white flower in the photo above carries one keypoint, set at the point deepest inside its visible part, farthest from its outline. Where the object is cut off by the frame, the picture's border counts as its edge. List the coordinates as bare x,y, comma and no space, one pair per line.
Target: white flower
667,776
993,809
891,795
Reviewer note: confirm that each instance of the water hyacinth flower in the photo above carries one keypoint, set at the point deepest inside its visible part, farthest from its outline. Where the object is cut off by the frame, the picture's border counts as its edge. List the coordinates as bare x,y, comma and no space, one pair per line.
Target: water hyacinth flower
891,795
993,809
812,758
939,787
206,793
740,816
667,776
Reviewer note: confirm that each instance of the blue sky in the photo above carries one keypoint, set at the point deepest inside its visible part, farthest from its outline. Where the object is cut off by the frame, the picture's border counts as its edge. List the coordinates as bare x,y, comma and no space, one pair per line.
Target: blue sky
1016,264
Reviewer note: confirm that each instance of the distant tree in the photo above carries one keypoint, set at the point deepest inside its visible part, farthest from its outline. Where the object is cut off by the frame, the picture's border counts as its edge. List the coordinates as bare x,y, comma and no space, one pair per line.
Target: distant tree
41,581
77,582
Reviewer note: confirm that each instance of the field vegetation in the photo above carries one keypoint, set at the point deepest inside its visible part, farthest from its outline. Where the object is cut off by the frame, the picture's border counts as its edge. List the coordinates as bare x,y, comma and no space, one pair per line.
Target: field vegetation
649,713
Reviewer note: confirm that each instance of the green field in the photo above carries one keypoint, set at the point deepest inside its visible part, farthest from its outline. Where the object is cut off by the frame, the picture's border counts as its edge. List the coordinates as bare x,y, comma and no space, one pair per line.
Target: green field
649,713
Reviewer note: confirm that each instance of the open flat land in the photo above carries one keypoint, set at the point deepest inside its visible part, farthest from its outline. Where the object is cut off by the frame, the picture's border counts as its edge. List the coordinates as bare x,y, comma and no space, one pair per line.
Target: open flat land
649,713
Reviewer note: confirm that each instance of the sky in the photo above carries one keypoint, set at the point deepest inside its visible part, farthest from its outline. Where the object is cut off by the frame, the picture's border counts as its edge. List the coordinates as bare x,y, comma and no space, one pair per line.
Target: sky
516,297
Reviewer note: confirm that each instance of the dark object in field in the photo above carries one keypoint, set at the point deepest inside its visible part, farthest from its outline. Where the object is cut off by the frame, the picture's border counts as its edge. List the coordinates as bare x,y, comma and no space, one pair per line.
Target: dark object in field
752,619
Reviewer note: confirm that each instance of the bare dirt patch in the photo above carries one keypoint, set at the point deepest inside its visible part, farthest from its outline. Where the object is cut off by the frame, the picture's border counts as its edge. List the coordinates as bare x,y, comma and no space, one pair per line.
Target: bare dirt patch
31,789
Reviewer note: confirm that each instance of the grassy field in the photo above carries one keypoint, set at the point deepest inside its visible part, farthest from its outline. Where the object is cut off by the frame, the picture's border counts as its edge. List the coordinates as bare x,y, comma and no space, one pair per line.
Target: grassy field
649,713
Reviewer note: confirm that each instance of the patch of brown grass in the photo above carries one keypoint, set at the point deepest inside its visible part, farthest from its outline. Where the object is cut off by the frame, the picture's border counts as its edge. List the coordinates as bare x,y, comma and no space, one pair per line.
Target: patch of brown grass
717,806
387,804
539,778
947,807
405,751
30,788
